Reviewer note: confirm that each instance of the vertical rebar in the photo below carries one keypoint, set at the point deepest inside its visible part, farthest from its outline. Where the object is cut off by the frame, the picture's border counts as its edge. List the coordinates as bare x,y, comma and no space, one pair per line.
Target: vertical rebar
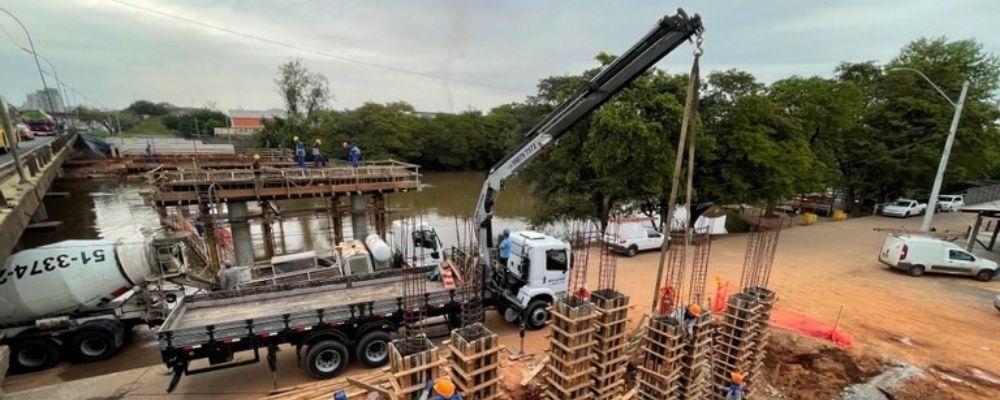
609,260
580,242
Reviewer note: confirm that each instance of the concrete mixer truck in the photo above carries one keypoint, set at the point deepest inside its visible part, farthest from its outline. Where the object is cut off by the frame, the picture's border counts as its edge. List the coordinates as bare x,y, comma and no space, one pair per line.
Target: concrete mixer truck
77,299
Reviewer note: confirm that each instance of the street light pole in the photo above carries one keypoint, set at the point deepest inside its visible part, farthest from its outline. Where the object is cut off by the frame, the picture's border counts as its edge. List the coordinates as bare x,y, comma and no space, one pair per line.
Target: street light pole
946,153
9,130
38,65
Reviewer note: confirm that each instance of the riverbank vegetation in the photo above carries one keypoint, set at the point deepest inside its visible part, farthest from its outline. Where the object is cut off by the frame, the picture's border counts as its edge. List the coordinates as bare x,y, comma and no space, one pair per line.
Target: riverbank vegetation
869,131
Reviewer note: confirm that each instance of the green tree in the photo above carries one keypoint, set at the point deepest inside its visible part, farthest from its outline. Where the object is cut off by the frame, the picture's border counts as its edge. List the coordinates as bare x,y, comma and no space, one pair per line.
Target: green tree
303,91
148,108
200,122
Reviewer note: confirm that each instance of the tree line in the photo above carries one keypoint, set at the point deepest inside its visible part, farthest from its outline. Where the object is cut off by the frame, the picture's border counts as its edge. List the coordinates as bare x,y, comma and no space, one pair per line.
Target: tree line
869,132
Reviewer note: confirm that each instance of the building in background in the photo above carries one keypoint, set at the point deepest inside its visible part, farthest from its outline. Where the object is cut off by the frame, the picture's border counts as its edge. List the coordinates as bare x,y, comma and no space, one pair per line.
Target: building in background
39,101
248,122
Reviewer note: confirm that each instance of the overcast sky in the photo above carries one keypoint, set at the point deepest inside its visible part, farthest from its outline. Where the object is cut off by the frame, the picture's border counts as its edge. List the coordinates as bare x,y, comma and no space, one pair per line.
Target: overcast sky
116,54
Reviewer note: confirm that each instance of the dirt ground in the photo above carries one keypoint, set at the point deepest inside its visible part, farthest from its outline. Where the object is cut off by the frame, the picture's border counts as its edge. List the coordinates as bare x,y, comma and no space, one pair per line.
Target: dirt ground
944,325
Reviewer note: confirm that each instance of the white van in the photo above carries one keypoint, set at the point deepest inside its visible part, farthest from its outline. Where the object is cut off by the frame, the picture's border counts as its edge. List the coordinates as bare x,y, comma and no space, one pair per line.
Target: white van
920,254
632,238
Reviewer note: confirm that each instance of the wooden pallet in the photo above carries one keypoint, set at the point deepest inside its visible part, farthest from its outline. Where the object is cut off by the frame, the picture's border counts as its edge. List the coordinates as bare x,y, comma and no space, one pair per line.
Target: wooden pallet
475,362
413,362
611,338
569,365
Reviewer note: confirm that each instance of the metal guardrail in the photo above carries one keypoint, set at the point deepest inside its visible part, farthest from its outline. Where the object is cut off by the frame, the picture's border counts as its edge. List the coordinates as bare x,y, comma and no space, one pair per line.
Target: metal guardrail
388,168
34,159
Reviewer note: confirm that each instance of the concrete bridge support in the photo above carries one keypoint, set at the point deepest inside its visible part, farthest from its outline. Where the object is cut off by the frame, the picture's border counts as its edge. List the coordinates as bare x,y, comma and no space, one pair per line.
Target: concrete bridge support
240,225
359,216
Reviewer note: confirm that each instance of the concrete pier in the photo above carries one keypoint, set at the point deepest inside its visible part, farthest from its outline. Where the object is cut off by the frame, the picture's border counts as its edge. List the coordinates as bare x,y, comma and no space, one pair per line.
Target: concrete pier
359,216
240,226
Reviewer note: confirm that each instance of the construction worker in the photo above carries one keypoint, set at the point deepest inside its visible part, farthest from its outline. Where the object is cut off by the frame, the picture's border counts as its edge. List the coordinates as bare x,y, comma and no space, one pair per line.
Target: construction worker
300,152
228,276
688,317
256,165
667,296
444,389
505,247
735,391
318,159
353,153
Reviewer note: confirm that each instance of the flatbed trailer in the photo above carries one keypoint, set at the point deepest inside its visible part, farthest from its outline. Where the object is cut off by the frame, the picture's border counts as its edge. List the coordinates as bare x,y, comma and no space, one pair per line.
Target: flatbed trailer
333,319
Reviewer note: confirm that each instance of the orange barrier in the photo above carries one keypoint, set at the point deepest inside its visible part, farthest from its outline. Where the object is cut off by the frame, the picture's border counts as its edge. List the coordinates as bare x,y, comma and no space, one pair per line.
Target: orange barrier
721,294
790,321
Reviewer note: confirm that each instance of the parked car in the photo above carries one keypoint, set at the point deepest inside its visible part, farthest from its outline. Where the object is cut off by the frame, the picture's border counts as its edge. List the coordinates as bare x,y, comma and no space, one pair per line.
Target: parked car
25,133
921,254
904,208
951,202
633,238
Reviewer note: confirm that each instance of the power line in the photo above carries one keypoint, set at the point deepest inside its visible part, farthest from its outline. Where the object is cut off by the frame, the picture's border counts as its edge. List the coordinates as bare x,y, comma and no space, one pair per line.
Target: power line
308,50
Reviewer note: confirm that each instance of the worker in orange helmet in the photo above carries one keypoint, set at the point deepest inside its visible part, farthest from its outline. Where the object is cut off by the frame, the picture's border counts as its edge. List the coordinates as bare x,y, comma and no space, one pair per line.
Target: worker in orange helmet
735,391
687,316
444,389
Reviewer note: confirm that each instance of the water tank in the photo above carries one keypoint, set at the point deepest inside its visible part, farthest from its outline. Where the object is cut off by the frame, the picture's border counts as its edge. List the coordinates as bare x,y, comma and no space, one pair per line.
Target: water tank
379,250
69,276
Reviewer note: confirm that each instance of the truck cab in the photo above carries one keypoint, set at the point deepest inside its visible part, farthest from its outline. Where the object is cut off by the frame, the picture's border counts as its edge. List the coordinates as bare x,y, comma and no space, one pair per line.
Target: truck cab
418,244
536,273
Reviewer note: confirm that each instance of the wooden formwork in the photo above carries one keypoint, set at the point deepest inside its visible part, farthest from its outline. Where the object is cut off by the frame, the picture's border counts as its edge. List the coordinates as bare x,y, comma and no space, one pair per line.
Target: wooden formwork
660,370
765,300
696,363
736,340
355,387
475,362
412,362
611,342
569,367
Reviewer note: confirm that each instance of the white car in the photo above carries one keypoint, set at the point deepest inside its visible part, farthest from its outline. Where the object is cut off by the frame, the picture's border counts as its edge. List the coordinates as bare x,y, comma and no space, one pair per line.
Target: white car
950,202
917,255
904,208
996,302
633,238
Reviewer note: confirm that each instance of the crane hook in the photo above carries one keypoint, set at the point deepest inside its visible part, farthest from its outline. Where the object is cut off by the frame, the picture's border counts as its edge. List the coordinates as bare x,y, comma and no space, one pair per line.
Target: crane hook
699,48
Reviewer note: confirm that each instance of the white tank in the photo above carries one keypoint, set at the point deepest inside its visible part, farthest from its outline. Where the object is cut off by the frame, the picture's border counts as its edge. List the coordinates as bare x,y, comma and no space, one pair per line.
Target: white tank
379,250
69,275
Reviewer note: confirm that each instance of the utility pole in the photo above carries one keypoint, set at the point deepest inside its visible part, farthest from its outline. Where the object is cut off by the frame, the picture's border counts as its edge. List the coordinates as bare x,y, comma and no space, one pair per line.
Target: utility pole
38,65
946,153
8,128
62,92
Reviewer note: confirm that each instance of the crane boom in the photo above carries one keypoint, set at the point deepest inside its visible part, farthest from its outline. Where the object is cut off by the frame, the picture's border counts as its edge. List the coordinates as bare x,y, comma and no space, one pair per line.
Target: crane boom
669,32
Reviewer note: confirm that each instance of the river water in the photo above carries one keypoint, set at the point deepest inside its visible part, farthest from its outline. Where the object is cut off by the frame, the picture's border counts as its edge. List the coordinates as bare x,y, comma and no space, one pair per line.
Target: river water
116,209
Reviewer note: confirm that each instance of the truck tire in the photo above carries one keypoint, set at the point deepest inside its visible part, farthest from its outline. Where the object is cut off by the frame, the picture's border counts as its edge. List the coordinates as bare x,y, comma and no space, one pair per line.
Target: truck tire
538,314
33,355
372,350
93,342
916,270
984,275
632,251
326,359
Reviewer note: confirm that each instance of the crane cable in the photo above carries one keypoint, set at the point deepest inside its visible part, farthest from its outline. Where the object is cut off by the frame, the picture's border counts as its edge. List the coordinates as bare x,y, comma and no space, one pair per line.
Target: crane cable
690,110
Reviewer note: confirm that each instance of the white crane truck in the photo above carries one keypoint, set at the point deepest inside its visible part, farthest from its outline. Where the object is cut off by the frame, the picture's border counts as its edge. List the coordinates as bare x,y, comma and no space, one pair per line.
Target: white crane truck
329,317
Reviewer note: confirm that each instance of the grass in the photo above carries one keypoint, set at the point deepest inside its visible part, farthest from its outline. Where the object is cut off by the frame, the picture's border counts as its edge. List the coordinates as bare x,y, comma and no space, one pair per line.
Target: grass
152,126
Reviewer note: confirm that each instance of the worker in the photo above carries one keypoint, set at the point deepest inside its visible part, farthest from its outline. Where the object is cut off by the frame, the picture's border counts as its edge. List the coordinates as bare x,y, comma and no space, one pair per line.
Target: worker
256,165
687,318
300,152
318,159
735,391
505,247
353,153
667,295
443,389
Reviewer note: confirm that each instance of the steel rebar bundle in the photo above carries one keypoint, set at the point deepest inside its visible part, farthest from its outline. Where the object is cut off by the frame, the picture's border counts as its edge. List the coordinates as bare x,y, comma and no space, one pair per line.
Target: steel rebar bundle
761,245
608,267
699,268
581,240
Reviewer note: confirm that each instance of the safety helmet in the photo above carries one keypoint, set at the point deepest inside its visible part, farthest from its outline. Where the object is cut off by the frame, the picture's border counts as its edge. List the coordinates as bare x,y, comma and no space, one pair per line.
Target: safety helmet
737,377
319,141
344,145
506,232
695,310
444,387
256,156
295,138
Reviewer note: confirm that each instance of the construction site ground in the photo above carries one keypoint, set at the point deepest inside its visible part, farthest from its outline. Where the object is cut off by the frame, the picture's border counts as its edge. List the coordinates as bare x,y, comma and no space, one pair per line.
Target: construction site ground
945,325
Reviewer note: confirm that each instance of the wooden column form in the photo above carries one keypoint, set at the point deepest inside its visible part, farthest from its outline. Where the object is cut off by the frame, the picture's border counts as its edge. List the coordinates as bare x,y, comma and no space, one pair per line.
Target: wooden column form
412,362
611,341
475,362
662,349
569,367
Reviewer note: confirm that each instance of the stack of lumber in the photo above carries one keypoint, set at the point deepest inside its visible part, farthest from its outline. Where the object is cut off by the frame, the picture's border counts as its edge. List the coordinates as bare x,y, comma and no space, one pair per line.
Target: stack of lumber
356,387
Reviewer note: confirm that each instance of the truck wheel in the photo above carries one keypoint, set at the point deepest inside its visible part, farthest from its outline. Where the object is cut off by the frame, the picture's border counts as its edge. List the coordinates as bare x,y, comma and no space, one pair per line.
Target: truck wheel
917,270
326,359
632,251
33,355
92,343
984,275
538,314
373,349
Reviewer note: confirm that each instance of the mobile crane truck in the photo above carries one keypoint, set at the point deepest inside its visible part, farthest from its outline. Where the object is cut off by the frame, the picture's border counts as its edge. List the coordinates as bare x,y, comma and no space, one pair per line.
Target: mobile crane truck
329,321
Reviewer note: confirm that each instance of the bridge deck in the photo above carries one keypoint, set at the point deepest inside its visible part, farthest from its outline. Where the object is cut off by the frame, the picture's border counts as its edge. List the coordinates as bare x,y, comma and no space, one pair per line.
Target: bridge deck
185,187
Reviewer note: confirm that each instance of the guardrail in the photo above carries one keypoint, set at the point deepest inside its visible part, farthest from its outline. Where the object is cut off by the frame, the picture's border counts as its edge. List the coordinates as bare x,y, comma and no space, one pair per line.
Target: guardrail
36,158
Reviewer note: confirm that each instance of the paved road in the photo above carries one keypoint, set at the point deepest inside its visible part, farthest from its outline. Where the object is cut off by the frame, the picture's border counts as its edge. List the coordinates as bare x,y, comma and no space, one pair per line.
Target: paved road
23,148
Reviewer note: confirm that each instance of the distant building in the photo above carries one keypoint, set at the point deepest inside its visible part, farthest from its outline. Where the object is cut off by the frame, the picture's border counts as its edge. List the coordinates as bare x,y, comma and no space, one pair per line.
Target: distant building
39,101
248,122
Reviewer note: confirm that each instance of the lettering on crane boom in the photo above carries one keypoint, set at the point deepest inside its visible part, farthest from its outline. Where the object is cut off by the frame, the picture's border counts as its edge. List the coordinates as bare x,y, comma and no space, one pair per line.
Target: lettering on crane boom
40,266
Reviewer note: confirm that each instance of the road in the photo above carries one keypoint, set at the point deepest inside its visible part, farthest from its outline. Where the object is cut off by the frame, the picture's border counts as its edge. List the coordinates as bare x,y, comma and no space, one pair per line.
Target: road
24,147
945,325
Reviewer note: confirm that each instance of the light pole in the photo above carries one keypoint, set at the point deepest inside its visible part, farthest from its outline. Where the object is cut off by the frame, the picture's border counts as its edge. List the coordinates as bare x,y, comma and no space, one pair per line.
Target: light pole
62,92
38,65
946,153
